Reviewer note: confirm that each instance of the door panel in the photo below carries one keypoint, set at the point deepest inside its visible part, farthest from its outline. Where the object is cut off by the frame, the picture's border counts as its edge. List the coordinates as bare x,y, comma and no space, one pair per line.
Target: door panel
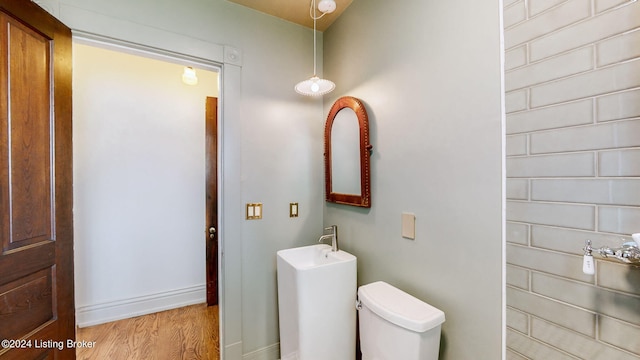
36,226
27,138
32,294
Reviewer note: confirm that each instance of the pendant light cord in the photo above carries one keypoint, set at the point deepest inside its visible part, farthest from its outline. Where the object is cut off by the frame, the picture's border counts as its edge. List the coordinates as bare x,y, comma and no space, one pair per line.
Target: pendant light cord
312,13
313,4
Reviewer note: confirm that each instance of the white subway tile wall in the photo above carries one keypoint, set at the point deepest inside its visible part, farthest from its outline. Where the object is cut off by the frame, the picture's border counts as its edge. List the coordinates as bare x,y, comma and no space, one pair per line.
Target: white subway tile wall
572,82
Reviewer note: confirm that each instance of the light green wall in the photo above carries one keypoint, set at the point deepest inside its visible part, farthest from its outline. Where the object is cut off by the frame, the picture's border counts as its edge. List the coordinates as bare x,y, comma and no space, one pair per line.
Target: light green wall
429,73
272,137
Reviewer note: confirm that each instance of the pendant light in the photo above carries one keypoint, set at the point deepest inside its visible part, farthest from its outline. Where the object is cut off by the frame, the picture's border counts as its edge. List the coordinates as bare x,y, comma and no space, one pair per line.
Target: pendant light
316,86
189,76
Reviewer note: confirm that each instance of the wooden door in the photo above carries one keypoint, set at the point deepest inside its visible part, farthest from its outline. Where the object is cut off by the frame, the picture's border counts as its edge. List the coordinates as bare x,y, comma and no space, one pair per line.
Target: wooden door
211,159
37,318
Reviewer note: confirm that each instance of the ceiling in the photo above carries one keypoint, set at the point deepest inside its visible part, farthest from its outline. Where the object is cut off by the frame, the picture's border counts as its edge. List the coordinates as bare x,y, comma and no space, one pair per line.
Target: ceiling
296,11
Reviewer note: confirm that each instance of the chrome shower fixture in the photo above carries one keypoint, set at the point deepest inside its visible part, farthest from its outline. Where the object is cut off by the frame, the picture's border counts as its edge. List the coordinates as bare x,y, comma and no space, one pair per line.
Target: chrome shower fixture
628,253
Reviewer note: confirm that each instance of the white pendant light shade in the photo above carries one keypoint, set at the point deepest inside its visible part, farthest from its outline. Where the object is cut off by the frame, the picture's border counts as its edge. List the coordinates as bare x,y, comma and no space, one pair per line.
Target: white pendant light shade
315,86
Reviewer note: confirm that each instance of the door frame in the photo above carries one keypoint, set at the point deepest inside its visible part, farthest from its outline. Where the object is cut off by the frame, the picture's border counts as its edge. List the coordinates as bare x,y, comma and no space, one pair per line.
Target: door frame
209,65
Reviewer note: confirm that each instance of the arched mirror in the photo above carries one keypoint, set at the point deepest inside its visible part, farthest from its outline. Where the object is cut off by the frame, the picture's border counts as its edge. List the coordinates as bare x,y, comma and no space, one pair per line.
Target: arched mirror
346,153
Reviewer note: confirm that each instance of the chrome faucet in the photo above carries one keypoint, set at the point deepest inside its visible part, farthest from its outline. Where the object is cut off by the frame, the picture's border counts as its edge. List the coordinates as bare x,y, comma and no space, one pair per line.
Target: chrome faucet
333,235
628,253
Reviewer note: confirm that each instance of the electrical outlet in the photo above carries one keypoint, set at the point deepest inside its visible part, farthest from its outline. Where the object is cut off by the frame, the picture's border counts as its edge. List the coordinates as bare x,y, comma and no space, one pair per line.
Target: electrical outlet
293,209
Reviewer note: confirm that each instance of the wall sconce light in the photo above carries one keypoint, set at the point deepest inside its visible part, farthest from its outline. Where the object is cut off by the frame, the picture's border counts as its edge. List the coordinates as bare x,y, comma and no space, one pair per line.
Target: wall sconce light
189,76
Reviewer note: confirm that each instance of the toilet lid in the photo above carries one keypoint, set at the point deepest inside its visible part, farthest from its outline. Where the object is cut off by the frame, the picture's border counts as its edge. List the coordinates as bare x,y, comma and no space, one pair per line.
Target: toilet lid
400,308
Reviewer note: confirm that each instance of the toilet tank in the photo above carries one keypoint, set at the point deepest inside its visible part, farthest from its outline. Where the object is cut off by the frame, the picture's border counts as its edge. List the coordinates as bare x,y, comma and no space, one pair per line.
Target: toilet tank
395,325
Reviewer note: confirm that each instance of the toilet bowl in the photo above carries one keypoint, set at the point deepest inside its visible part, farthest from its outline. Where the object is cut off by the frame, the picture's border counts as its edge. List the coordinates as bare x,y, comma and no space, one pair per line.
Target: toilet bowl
395,325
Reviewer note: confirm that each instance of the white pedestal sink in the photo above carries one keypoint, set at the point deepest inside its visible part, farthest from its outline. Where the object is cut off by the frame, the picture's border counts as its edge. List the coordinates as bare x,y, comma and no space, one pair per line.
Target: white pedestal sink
316,301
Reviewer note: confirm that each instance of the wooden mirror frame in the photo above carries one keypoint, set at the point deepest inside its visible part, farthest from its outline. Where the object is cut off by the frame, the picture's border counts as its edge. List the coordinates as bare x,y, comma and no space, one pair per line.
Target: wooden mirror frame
364,199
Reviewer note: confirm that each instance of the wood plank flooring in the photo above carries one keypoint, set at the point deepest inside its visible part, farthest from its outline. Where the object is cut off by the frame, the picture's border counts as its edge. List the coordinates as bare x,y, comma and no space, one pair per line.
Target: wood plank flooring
187,333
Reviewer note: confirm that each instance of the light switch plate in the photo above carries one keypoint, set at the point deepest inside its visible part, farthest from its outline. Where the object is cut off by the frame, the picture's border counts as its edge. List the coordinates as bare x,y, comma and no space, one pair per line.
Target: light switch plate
254,211
408,226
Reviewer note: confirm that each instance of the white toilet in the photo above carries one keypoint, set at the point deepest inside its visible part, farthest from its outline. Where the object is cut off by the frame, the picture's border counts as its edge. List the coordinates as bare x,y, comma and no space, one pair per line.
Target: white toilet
395,325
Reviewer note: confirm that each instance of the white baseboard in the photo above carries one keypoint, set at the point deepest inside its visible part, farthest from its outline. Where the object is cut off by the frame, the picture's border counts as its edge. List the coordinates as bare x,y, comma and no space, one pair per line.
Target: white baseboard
127,308
232,351
271,352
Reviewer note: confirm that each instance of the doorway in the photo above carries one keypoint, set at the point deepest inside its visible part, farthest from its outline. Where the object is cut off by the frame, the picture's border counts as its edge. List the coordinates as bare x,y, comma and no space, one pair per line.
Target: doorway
140,197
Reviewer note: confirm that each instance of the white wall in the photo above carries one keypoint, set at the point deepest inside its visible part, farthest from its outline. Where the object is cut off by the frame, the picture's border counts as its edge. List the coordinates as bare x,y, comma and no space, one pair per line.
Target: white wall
139,171
429,73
